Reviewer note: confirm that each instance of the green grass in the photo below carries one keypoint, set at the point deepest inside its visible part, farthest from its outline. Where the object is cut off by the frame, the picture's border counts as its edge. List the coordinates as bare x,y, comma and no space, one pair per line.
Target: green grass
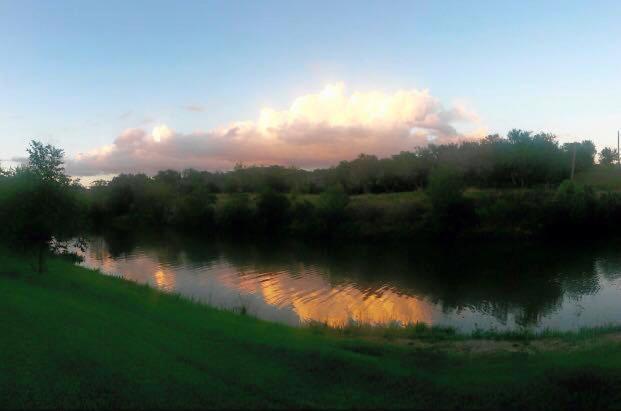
436,333
72,338
601,178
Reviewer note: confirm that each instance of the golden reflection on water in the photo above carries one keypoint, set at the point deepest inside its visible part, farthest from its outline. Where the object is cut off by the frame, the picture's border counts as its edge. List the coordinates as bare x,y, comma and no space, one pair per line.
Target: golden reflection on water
140,268
305,291
164,280
313,298
295,289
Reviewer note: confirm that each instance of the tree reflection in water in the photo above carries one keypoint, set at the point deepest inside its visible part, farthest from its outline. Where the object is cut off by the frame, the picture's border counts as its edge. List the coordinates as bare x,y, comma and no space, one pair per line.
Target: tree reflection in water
520,285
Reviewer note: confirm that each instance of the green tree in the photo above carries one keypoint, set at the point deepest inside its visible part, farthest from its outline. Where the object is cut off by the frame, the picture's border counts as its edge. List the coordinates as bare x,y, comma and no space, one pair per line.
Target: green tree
608,156
47,162
40,207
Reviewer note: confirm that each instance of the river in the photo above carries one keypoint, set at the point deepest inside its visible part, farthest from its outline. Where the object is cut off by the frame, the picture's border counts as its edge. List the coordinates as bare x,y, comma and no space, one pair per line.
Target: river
467,287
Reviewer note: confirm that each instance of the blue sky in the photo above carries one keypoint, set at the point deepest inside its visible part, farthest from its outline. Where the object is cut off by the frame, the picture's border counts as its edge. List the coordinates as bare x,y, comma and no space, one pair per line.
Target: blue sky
77,74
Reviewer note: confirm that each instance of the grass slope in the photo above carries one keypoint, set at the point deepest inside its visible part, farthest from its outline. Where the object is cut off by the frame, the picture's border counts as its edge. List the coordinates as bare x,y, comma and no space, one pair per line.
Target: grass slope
73,338
606,178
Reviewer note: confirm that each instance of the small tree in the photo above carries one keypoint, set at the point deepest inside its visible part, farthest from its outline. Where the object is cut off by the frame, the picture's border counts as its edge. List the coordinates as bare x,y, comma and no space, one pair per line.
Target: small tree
608,156
40,207
46,162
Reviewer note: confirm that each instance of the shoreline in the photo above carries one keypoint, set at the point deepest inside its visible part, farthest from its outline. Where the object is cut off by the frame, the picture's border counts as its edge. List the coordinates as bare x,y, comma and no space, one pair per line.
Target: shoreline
73,338
387,332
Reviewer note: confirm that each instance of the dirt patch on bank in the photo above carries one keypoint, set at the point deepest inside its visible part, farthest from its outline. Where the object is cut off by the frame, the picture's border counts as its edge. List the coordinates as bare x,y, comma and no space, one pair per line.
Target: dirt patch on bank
488,346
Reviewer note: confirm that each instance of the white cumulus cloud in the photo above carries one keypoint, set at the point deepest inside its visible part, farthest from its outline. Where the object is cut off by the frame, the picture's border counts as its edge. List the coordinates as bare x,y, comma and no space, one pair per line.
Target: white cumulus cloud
316,130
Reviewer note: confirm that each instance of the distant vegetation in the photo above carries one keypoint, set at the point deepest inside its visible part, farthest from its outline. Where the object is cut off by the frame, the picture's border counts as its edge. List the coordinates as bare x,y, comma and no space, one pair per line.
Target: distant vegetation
496,187
522,159
499,187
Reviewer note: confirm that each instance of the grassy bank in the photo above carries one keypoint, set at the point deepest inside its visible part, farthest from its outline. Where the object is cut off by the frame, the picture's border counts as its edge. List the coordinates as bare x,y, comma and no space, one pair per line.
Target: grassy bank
73,338
605,178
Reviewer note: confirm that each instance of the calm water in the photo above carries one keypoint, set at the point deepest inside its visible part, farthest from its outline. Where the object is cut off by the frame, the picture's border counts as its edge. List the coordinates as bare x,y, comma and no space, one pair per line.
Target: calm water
467,288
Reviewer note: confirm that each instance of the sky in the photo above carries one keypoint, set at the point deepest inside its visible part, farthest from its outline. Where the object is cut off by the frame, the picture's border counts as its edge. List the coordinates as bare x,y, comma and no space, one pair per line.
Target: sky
131,86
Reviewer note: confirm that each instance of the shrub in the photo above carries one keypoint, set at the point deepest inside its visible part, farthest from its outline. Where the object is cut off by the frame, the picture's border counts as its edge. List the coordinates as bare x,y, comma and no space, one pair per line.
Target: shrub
235,213
195,211
304,218
451,212
273,211
331,210
445,187
573,208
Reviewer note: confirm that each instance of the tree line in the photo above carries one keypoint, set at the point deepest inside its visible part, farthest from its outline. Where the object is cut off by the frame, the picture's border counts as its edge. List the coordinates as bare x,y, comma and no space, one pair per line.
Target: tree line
188,199
41,207
521,159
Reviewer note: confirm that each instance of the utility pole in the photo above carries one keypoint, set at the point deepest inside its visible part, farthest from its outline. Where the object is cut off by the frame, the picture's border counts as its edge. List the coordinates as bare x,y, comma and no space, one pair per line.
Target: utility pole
573,162
618,156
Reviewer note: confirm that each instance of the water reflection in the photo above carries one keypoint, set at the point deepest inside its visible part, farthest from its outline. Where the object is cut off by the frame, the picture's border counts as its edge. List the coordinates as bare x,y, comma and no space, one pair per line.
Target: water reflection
465,287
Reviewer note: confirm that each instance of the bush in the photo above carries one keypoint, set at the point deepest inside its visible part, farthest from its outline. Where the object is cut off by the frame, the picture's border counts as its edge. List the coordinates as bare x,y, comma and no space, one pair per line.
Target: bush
273,211
574,208
445,188
195,211
304,219
235,214
608,211
331,211
513,214
451,212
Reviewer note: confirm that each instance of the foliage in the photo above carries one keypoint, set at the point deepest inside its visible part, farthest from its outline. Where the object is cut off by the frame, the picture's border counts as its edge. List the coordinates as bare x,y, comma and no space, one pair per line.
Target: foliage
235,215
445,187
573,209
195,211
46,162
332,209
608,156
451,211
304,218
273,199
39,204
521,159
273,211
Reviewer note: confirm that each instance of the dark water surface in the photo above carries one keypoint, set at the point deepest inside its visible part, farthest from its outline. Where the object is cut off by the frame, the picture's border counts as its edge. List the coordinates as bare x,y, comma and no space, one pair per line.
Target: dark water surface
467,287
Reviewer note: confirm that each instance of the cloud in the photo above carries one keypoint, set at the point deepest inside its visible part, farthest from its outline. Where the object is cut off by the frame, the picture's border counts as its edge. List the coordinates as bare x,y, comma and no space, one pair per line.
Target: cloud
194,107
316,130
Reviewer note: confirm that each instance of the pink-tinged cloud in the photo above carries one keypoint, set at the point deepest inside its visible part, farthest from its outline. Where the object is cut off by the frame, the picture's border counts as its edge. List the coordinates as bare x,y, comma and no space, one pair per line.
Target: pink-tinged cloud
316,130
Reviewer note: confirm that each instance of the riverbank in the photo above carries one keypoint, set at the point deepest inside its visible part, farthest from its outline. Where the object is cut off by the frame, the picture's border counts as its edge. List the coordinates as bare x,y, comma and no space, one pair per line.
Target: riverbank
72,338
570,212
